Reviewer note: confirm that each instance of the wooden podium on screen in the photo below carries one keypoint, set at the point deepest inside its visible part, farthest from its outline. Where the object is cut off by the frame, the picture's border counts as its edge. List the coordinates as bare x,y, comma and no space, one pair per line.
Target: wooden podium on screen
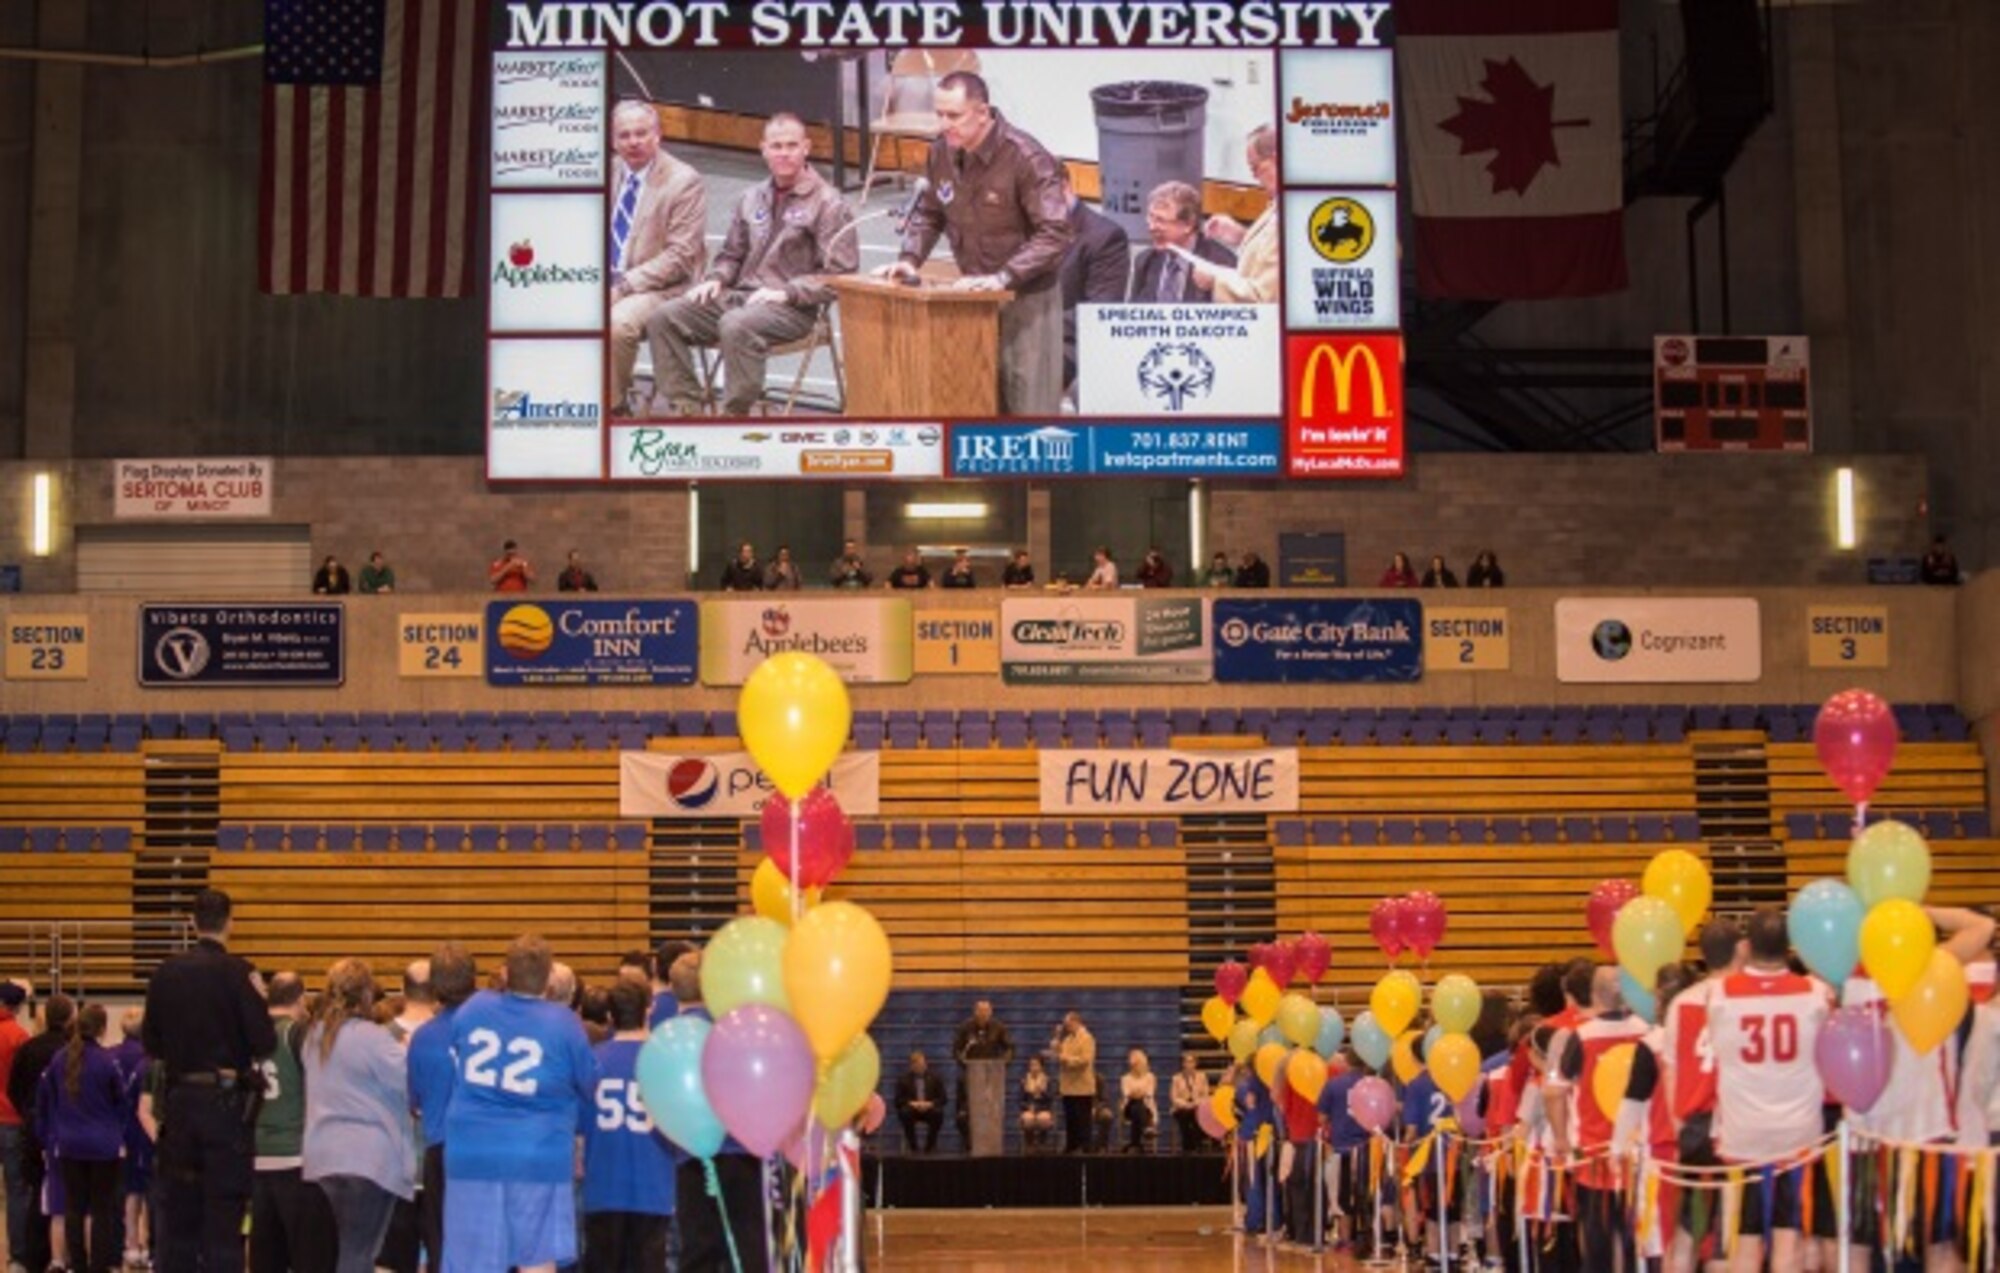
919,352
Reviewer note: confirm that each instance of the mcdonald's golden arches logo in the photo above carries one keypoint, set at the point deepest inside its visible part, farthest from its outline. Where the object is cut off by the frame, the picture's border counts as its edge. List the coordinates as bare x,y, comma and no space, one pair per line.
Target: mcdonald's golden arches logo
1346,406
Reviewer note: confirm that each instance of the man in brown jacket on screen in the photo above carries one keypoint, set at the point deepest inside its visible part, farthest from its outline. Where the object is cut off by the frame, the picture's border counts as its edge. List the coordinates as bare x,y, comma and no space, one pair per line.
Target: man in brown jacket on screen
659,216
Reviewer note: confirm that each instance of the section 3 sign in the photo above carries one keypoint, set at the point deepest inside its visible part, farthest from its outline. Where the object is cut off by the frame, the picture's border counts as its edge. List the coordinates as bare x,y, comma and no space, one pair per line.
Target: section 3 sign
1364,639
591,642
290,645
1170,782
1104,640
1658,640
658,784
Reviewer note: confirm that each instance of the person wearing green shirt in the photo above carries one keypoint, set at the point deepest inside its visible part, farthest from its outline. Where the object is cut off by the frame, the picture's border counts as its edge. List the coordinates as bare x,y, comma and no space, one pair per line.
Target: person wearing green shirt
1219,574
377,575
290,1223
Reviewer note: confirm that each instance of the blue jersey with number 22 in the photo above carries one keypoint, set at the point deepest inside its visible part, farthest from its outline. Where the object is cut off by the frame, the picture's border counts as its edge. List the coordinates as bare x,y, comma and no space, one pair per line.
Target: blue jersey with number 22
524,1076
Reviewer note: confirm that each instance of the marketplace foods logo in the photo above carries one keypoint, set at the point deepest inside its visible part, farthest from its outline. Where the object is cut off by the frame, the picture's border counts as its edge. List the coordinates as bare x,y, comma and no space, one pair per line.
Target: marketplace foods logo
517,267
1342,230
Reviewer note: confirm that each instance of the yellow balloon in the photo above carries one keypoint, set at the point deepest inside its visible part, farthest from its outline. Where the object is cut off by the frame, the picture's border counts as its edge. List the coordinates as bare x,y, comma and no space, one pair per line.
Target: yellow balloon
771,893
1897,941
1612,1076
1264,1139
1929,1012
1395,999
1243,1041
794,715
1680,879
1217,1017
836,975
1298,1019
1454,1065
847,1083
1269,1058
1403,1056
1455,1003
1260,998
1306,1072
1223,1101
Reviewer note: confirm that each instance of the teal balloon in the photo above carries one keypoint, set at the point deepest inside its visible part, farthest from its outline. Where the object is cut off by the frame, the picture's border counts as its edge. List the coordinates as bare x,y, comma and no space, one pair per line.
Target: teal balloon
670,1086
1640,1000
1272,1034
1371,1041
1825,927
1332,1032
1431,1036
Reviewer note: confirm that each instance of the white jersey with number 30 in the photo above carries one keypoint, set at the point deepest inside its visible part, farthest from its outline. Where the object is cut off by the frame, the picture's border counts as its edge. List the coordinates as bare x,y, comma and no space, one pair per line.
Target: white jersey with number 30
1763,1027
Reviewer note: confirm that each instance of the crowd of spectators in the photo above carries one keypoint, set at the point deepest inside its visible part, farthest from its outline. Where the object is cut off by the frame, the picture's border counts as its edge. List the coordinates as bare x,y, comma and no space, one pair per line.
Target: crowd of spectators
1484,573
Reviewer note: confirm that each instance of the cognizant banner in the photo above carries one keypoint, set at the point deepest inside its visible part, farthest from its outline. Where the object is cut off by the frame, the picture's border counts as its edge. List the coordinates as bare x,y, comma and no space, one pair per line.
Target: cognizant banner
1658,640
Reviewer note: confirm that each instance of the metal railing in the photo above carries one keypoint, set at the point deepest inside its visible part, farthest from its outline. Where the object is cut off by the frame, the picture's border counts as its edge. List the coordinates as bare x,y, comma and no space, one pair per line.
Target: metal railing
90,956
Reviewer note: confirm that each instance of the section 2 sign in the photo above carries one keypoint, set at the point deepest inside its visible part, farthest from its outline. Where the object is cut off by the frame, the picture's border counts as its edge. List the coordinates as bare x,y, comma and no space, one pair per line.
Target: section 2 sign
1124,782
1472,639
1104,640
591,642
1365,639
289,645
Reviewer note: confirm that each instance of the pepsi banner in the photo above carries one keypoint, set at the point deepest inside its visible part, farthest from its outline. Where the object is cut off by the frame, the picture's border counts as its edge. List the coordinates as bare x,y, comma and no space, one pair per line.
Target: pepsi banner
291,645
1124,781
657,784
591,642
1364,639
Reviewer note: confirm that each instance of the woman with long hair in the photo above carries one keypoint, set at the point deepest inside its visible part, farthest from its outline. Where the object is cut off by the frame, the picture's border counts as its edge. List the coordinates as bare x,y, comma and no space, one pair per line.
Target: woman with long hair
358,1146
81,1107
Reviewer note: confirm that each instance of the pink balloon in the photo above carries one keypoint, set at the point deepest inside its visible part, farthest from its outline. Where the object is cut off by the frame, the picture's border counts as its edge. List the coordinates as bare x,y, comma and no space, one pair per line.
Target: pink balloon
1856,1052
826,838
1230,979
873,1113
1470,1120
812,1134
1282,963
1385,924
1211,1126
758,1071
1423,922
1371,1103
1855,736
1314,955
1603,907
1259,956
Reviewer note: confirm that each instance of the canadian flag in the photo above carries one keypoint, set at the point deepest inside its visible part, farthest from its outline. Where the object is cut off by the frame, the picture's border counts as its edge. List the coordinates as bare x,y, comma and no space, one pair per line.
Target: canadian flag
1516,155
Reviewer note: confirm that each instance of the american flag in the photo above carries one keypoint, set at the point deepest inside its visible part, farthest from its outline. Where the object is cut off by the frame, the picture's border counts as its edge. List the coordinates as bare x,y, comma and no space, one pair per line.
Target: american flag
372,136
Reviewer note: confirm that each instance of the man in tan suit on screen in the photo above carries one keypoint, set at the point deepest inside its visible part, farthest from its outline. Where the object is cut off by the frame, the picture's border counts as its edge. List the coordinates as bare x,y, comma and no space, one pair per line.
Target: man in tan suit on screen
659,215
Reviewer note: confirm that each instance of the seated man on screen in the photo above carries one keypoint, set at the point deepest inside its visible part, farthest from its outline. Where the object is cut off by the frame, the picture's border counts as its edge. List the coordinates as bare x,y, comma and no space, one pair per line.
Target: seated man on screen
659,214
1164,274
767,285
1094,270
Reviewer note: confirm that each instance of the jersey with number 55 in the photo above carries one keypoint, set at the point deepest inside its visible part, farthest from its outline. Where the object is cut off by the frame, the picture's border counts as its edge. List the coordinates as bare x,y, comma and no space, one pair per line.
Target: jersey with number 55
524,1073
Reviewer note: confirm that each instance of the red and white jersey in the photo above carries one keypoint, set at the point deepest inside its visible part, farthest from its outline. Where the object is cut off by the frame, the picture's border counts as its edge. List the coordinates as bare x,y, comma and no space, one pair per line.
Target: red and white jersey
1764,1027
1690,1057
1920,1102
1573,1063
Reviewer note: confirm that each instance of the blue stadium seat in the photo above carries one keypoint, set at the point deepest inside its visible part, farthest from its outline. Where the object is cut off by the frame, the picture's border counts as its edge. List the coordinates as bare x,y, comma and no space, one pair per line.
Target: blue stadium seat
163,725
448,837
1801,825
1163,833
1578,830
595,737
1289,833
1126,833
1357,729
1219,721
1186,721
1427,733
869,835
1950,727
1087,832
1649,828
593,837
230,837
375,838
1010,729
1052,833
978,835
126,739
485,837
906,835
1398,831
630,737
1157,732
942,835
1670,727
1543,830
309,737
904,732
753,837
722,724
975,730
690,724
1505,830
1328,830
1256,722
1940,825
411,837
379,737
78,839
1615,828
267,837
1016,835
114,839
1046,729
940,731
489,738
1684,826
866,731
1434,830
1322,729
1462,732
1081,728
1975,824
1739,716
630,837
339,837
556,837
1119,729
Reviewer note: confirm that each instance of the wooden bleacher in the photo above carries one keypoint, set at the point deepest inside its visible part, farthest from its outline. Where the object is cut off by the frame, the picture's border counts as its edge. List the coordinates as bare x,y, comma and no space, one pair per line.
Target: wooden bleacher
397,787
1515,781
1948,775
1963,872
62,789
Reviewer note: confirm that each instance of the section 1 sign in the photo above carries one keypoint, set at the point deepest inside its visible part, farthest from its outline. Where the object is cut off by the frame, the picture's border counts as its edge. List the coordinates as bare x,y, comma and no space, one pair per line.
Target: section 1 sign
1658,640
1127,782
287,646
1332,640
1847,636
1176,360
48,647
658,784
1115,450
590,642
783,449
866,639
1474,639
1104,640
440,645
958,642
171,489
1345,416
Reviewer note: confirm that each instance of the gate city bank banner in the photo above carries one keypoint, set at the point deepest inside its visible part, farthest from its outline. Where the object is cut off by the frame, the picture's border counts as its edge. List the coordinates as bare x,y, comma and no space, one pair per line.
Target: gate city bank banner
1124,781
657,784
1367,639
1104,640
1658,640
590,642
867,640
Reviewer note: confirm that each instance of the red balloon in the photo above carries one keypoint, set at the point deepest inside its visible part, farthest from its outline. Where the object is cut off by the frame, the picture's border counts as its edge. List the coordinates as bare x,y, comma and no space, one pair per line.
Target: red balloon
1282,962
1259,956
1605,902
1423,922
1855,736
1301,1115
1230,978
1314,956
826,838
1385,924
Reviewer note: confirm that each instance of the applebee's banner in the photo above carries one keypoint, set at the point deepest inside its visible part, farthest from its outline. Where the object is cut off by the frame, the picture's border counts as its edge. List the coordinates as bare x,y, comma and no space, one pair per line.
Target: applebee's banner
658,784
1124,781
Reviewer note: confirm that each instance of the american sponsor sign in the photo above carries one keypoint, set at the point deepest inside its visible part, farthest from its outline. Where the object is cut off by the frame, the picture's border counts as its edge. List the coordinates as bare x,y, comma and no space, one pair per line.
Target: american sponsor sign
441,645
867,640
1125,781
545,408
289,645
1346,406
1338,117
1341,264
1113,450
546,271
1177,360
1362,639
835,450
1468,639
1847,636
193,488
658,784
590,642
958,642
548,121
1658,640
48,647
1104,640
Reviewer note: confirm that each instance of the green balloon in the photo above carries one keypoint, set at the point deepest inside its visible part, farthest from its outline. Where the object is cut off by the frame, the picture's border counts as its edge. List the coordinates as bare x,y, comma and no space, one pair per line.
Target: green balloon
1647,936
745,963
1243,1040
1455,1003
1298,1020
1888,862
847,1083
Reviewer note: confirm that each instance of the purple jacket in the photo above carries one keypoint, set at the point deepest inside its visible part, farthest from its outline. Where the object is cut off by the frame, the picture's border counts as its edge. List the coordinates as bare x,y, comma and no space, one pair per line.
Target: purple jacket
89,1126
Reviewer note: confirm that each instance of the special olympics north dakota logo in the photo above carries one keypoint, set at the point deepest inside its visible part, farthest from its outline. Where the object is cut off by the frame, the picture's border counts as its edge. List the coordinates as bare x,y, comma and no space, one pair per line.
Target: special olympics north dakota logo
1176,374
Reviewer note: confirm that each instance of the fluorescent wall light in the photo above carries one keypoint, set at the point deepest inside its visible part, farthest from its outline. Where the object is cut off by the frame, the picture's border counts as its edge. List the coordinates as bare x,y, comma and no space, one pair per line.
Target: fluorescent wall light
1843,497
1197,533
44,528
940,512
694,528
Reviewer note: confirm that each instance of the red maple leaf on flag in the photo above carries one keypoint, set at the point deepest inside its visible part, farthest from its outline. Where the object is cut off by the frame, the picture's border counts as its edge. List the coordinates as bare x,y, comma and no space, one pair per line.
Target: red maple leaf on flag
1517,123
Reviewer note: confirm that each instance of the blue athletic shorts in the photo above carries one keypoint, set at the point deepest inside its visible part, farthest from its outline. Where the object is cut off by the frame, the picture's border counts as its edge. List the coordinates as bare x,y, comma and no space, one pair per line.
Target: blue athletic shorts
491,1226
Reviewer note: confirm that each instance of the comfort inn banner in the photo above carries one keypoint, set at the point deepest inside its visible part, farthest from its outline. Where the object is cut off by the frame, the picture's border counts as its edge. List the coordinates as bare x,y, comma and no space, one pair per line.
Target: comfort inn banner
1128,782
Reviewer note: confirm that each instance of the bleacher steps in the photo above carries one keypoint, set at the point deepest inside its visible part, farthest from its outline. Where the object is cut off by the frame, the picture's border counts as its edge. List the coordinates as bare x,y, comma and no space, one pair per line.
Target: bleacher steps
1232,886
691,875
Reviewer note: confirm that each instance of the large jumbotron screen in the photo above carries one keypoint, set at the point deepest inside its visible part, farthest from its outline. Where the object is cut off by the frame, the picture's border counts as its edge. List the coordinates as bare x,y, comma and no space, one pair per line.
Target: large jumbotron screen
869,241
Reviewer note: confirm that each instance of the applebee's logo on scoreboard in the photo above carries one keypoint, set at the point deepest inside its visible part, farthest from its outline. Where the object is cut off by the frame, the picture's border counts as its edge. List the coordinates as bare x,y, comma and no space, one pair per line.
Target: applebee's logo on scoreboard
518,267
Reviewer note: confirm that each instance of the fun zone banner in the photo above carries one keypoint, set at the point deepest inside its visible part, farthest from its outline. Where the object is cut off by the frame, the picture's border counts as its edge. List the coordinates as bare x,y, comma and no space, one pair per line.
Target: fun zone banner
1124,781
659,784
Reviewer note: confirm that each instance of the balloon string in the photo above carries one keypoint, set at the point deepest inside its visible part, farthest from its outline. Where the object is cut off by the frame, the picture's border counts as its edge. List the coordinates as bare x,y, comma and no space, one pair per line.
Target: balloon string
1860,818
798,900
728,1231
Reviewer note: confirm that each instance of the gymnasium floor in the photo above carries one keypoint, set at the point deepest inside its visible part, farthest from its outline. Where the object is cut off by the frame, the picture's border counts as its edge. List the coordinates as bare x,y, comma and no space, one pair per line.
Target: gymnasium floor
1124,1240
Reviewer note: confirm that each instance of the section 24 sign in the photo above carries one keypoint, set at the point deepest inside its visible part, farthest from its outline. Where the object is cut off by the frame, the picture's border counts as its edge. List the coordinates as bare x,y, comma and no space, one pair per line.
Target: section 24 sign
1365,639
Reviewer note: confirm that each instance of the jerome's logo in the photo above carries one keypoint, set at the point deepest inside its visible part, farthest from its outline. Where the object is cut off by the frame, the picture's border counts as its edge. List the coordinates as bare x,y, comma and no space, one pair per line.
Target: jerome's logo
1346,405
